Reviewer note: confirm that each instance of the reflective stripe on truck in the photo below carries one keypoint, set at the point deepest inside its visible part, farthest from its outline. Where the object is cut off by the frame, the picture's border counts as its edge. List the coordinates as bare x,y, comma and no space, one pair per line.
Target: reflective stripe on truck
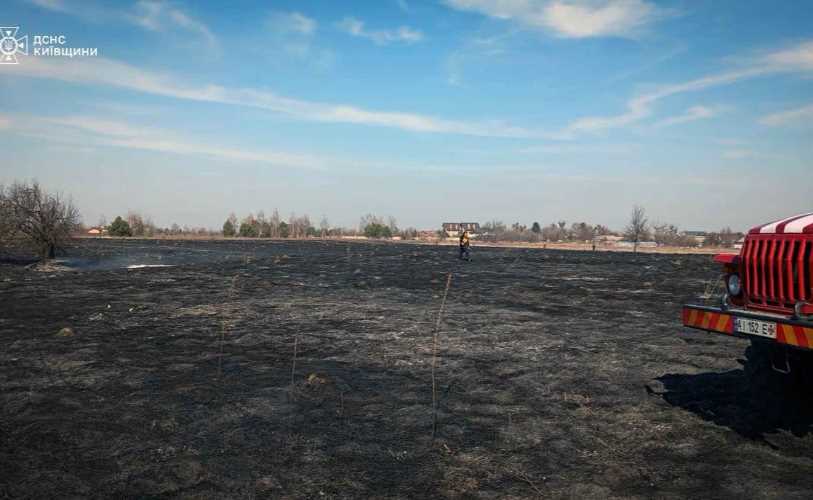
788,331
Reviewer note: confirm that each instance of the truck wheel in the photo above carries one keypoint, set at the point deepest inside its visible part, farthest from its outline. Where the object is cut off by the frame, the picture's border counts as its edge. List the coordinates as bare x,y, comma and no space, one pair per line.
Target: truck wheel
762,378
765,381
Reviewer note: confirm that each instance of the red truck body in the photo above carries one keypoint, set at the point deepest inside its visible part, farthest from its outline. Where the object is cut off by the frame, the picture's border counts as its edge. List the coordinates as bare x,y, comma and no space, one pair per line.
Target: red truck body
769,288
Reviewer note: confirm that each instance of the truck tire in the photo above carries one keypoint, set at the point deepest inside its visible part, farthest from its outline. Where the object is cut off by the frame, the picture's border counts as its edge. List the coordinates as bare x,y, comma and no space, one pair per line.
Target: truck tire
762,378
765,381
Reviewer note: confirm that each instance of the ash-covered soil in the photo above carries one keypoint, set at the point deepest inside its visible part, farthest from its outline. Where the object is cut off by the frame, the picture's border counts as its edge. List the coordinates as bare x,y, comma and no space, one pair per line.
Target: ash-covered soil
303,370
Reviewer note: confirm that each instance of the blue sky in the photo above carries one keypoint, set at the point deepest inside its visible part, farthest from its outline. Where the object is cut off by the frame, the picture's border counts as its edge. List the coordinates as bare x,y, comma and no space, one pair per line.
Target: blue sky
429,111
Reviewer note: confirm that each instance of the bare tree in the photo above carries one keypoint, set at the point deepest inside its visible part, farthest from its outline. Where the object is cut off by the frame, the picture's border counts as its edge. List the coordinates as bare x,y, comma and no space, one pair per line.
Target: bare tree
638,227
149,227
298,226
136,223
274,224
45,220
6,223
262,225
581,231
324,227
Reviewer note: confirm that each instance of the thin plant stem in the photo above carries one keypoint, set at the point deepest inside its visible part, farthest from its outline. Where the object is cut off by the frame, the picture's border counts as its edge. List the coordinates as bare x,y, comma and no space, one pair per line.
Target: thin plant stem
435,355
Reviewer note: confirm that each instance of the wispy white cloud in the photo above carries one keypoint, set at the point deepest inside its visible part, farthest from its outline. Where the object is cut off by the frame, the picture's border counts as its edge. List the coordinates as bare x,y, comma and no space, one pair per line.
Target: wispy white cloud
292,22
690,115
789,116
738,154
292,36
151,15
792,58
473,51
101,71
560,148
155,15
798,58
571,18
403,5
454,69
55,5
729,141
746,153
403,34
84,130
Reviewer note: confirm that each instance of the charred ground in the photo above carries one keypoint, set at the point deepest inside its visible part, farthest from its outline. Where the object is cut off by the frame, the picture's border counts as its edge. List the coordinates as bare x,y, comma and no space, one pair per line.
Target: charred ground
561,374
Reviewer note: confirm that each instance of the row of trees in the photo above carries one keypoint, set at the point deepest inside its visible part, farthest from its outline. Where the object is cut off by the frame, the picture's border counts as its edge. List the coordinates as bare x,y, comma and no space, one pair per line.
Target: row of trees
638,229
136,225
260,226
300,226
578,231
45,221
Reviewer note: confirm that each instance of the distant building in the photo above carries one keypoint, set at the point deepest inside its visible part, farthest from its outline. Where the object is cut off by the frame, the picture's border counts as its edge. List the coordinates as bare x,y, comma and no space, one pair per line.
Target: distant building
641,244
453,229
699,236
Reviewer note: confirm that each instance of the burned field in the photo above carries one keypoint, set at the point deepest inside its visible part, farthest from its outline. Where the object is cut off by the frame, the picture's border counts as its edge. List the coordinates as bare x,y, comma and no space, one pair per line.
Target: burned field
304,369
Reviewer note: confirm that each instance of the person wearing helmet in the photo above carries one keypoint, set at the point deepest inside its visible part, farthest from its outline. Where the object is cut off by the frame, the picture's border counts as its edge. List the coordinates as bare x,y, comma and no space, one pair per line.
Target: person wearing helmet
464,245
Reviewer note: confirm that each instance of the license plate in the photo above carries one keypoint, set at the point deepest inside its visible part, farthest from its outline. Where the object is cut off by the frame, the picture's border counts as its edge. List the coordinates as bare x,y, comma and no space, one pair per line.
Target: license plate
755,327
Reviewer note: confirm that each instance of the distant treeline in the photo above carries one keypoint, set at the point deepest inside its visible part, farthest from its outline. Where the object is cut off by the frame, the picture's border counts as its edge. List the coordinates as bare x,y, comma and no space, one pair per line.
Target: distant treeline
256,226
638,230
373,226
300,226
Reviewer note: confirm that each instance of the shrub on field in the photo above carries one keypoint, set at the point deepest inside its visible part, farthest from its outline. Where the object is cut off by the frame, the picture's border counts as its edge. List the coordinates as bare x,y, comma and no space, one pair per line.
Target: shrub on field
373,226
250,228
120,227
44,220
376,230
230,226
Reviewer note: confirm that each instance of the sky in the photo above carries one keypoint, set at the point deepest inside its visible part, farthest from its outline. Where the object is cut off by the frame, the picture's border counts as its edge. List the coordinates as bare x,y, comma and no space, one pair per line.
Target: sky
429,111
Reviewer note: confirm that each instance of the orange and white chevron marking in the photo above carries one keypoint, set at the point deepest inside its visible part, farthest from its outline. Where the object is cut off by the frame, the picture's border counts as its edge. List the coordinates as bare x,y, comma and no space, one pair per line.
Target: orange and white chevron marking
799,336
707,320
720,322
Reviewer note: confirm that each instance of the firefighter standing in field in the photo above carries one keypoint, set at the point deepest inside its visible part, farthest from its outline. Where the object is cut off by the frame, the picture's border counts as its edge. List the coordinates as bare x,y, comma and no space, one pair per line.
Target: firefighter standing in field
464,245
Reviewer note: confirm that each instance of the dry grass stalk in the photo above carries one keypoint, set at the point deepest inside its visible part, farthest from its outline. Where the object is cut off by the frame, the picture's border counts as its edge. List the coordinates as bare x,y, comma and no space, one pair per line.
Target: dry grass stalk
435,355
713,290
524,477
230,296
293,365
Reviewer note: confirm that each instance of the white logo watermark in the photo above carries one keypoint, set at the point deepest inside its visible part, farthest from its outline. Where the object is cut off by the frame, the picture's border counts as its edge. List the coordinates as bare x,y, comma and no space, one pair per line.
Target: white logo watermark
10,45
43,46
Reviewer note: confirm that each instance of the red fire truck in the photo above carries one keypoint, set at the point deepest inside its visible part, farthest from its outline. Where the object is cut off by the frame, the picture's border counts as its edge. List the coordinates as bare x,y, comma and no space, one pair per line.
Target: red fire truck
769,300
